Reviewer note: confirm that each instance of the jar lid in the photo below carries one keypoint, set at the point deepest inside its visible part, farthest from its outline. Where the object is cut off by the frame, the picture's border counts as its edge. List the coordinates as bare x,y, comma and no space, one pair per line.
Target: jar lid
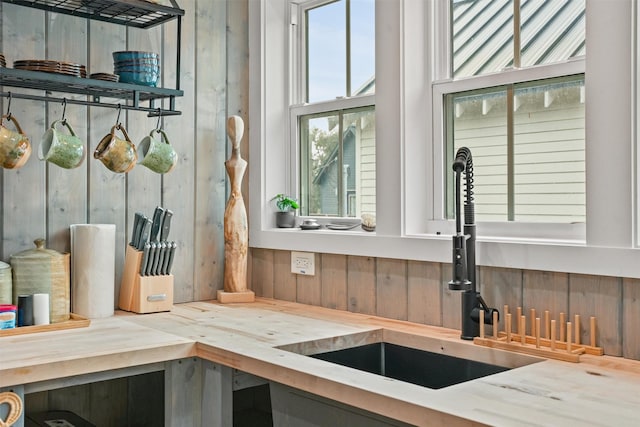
4,265
7,307
40,252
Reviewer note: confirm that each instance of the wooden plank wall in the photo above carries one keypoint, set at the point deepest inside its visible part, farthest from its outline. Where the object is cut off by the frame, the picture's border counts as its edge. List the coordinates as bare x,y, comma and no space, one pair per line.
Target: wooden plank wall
41,200
418,291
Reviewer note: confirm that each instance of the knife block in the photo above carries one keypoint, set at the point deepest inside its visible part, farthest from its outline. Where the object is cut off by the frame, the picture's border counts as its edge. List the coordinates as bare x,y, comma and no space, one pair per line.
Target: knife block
143,294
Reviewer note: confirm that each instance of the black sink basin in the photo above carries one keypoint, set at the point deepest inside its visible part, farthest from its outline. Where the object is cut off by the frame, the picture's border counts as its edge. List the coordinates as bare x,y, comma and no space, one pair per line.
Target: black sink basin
411,365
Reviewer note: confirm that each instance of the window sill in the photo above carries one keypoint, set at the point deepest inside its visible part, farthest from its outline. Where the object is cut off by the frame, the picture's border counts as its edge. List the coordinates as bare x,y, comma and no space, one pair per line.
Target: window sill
565,257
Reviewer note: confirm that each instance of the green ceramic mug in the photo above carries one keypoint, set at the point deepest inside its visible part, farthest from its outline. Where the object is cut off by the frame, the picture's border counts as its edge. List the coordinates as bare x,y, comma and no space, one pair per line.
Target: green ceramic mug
15,147
157,155
117,154
64,150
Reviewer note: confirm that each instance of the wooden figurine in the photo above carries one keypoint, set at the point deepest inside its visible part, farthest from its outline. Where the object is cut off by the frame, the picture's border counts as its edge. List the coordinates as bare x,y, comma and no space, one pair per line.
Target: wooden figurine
236,231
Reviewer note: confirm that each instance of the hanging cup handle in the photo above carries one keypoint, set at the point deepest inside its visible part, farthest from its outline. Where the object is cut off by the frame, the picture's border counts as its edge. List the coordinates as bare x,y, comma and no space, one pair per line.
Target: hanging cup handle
124,132
11,118
164,135
66,124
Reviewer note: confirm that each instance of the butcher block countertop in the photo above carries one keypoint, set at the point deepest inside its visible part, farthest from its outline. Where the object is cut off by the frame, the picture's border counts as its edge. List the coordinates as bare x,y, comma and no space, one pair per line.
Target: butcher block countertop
268,338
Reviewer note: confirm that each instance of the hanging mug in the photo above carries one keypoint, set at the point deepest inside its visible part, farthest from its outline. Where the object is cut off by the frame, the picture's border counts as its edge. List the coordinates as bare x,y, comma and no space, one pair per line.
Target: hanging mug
157,155
117,154
64,150
15,147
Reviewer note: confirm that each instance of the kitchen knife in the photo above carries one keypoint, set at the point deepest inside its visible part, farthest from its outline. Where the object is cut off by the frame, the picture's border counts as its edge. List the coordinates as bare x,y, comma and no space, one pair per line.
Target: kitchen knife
144,233
157,223
172,251
167,254
137,219
145,259
141,220
152,256
160,263
166,225
133,231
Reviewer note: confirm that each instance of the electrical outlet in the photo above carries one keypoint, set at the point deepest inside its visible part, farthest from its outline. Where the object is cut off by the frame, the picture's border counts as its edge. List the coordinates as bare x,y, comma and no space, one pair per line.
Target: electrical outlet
303,263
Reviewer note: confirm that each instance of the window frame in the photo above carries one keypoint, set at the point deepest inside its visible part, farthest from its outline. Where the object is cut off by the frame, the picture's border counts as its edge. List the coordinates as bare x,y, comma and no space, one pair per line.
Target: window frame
443,84
299,107
405,149
343,105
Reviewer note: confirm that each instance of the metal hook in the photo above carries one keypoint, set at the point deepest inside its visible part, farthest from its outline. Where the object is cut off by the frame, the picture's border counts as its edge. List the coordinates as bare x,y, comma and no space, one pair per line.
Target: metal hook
64,110
9,106
159,117
119,111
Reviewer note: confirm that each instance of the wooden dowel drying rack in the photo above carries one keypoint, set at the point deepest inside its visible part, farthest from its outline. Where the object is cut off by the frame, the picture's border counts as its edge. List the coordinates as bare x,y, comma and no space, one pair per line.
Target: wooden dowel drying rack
543,339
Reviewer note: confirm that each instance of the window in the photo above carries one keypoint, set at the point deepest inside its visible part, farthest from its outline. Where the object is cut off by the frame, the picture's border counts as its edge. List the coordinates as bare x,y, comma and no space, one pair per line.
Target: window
411,89
526,132
334,115
528,149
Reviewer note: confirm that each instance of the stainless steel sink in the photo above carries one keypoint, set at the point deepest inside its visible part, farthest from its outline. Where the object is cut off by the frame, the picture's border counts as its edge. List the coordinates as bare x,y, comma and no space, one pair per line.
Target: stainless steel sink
411,365
420,360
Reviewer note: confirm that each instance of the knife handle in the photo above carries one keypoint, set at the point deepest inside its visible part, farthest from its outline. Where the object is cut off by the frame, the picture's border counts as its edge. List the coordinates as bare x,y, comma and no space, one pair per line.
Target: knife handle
167,255
137,223
157,223
172,251
166,225
152,257
144,233
162,248
145,259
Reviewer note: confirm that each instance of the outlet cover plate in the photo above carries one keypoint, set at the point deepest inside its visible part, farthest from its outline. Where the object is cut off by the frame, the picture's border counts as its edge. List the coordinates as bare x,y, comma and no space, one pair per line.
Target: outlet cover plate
303,263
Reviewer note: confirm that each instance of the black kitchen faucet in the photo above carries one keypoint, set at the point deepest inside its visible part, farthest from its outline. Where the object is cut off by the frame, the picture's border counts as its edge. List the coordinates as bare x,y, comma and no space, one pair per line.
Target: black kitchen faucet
464,252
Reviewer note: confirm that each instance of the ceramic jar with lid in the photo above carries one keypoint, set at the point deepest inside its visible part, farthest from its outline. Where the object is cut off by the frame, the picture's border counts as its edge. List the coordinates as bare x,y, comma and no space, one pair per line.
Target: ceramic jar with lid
43,270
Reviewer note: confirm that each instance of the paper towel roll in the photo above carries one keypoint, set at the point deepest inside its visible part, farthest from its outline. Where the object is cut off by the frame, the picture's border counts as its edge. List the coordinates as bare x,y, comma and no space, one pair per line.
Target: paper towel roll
40,309
93,269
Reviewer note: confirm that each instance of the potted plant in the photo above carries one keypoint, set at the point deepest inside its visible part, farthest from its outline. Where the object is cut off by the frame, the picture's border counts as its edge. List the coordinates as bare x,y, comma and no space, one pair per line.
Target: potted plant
286,215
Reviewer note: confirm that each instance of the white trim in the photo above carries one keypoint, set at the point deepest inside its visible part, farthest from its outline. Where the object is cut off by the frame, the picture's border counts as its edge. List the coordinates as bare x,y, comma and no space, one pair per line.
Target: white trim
609,142
419,153
390,54
635,119
334,105
512,76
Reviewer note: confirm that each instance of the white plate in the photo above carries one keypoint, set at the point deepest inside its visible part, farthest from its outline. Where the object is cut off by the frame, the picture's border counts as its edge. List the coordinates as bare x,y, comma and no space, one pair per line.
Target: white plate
342,226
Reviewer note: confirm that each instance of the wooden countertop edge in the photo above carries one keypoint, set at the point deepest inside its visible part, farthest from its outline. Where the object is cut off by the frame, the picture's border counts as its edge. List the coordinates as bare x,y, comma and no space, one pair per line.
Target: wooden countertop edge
92,364
358,397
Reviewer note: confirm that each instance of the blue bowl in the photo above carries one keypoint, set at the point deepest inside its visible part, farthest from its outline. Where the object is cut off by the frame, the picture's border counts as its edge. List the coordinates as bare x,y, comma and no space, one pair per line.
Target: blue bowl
138,68
127,55
138,78
142,61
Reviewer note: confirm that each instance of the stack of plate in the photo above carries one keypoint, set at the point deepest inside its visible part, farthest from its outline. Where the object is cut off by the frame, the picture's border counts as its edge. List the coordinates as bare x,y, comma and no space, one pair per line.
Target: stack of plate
49,66
142,68
3,62
105,76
